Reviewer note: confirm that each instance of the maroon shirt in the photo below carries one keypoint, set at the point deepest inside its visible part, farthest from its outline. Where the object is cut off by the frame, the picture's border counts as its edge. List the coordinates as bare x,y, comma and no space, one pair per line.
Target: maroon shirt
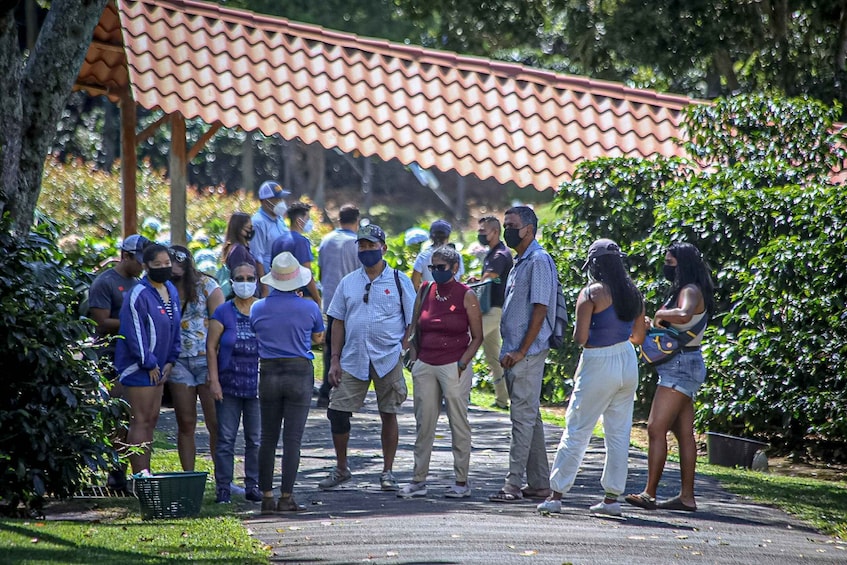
444,326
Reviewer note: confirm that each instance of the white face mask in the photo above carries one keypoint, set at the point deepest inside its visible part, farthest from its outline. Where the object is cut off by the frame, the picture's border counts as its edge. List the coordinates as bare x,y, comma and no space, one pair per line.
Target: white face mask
244,290
280,209
308,226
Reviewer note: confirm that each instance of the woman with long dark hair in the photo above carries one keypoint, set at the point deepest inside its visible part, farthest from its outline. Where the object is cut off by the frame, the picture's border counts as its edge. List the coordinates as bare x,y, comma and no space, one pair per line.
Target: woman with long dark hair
147,354
236,248
200,296
609,320
691,299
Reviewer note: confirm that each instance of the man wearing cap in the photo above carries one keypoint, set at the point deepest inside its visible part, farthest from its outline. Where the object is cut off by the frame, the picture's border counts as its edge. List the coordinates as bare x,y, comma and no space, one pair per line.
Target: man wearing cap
439,234
338,255
495,267
529,312
298,244
105,298
106,295
268,224
371,310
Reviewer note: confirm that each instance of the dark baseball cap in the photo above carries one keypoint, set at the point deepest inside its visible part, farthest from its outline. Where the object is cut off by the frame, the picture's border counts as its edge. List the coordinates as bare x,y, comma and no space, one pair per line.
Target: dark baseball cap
602,247
371,232
441,226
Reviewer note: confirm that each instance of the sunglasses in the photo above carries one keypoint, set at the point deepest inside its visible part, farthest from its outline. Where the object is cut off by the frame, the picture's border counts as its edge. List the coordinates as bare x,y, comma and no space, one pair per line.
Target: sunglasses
177,255
244,279
367,293
441,267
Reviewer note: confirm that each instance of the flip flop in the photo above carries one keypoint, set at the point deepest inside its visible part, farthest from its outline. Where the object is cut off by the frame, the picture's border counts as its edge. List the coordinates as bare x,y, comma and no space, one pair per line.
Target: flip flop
505,496
642,500
676,504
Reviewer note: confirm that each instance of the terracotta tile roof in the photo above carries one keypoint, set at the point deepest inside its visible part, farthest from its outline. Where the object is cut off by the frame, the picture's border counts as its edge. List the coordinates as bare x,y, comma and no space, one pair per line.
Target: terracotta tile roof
438,109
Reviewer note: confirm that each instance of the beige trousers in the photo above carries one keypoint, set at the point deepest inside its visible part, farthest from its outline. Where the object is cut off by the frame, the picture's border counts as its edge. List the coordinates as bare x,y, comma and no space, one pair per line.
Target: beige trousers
491,345
431,383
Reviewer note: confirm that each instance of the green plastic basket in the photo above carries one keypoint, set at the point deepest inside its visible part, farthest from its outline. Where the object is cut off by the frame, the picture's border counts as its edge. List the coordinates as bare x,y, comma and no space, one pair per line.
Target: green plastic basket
170,495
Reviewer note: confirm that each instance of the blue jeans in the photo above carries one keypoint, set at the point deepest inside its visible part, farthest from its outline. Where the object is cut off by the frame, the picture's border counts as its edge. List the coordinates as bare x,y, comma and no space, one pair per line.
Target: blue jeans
285,395
230,411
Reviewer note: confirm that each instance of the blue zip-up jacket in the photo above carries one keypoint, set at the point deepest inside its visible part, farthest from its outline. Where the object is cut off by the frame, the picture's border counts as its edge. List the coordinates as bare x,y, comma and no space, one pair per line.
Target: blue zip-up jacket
150,338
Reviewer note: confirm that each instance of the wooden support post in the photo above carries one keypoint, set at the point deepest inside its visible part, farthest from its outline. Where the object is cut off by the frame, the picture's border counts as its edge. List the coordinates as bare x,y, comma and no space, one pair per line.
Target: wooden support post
178,167
129,164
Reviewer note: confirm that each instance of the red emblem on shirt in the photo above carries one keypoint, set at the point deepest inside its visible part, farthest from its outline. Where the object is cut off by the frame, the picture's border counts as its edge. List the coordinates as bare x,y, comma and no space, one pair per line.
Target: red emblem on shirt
387,291
452,307
121,288
161,310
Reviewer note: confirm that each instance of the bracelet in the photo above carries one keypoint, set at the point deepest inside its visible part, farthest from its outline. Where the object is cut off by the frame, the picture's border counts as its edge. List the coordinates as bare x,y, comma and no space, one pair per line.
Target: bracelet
462,366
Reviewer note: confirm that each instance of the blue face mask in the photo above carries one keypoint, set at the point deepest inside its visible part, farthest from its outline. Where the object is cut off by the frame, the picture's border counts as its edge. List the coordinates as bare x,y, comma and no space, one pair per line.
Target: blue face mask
370,257
308,226
442,277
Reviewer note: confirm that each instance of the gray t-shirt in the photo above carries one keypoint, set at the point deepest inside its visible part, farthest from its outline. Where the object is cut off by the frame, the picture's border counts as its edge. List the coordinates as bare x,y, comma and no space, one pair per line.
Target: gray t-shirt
338,255
107,292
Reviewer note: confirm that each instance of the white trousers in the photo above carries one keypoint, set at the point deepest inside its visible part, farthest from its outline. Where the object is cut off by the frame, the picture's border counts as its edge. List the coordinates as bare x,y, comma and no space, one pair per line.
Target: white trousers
604,385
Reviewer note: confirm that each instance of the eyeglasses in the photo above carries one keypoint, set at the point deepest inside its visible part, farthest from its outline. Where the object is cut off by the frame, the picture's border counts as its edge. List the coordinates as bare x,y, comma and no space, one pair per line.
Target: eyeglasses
367,293
177,255
244,279
441,267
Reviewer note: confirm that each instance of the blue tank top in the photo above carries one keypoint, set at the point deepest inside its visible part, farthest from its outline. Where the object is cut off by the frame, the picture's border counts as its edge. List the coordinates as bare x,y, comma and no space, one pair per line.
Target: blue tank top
607,329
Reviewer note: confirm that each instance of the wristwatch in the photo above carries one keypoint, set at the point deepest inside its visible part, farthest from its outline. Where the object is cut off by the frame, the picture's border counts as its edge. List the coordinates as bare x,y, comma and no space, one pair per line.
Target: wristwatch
462,366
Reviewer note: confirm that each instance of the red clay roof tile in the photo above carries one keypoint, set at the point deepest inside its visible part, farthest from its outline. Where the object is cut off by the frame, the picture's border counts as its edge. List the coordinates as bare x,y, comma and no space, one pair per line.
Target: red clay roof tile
488,118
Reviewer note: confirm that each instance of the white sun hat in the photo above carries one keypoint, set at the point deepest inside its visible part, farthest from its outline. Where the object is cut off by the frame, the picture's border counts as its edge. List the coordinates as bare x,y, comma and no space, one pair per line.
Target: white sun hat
287,274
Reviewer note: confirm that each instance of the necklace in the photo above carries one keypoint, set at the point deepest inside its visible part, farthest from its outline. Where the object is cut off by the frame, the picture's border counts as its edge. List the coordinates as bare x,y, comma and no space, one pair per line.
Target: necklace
440,298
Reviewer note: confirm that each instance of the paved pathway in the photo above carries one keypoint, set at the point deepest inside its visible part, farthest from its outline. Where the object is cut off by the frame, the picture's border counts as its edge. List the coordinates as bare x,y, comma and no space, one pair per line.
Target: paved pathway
358,523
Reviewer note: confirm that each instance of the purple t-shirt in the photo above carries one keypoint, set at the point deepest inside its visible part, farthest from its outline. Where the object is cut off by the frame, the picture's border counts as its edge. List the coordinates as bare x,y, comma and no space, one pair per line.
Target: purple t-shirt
284,324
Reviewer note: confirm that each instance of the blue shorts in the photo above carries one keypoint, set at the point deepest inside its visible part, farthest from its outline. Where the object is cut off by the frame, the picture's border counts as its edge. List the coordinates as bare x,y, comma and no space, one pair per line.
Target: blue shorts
190,371
684,373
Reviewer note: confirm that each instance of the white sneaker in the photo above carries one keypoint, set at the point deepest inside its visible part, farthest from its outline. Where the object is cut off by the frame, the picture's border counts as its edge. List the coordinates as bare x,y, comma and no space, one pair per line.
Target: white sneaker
412,490
551,506
458,491
607,509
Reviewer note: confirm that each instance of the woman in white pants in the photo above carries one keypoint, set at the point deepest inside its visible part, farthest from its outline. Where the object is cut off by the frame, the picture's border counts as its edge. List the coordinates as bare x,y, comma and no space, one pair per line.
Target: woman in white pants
609,320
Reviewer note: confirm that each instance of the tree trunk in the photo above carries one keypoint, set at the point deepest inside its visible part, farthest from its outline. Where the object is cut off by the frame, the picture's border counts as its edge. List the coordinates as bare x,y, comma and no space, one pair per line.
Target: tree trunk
248,168
32,98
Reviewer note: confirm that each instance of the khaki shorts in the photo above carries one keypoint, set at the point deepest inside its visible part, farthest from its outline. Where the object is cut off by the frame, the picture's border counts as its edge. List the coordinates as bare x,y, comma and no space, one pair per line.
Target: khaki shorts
349,395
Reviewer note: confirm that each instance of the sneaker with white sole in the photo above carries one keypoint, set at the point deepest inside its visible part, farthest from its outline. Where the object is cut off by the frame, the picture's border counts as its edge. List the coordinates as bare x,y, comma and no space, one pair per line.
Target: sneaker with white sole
458,491
607,509
388,482
335,478
412,490
550,505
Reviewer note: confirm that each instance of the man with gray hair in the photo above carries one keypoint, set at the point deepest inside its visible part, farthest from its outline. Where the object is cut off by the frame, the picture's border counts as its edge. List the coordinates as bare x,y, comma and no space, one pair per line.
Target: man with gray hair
529,312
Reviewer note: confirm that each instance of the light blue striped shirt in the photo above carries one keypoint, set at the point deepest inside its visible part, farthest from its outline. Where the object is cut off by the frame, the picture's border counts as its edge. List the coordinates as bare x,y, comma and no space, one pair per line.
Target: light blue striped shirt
373,332
531,281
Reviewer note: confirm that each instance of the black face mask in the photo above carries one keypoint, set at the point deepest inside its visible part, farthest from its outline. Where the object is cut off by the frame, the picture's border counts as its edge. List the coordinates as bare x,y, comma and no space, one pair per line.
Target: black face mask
175,278
159,274
482,238
250,234
669,272
512,237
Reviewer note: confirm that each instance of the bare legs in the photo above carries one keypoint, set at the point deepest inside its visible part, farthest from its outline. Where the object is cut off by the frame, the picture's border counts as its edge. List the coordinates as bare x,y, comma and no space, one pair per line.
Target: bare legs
185,408
671,411
145,402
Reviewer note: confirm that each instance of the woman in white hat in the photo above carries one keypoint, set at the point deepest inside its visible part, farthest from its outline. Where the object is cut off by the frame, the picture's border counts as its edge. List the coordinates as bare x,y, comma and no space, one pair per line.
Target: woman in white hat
286,326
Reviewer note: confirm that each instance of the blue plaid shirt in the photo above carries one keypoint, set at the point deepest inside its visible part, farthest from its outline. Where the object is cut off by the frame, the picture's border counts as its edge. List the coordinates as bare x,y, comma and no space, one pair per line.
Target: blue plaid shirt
531,281
373,332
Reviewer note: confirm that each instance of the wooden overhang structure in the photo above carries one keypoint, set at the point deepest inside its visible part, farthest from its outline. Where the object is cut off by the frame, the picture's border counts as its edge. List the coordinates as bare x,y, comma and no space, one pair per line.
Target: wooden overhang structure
238,69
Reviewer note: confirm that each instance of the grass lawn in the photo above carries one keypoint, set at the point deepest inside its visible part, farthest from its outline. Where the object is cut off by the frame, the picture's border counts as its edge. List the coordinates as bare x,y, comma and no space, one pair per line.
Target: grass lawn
112,531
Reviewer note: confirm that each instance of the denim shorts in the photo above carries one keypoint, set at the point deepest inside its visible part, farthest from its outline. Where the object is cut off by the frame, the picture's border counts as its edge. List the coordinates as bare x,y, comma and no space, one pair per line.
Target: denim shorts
190,371
684,373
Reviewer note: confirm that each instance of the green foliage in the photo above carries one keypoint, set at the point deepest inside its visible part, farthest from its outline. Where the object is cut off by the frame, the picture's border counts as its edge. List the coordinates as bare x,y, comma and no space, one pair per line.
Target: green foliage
56,417
757,199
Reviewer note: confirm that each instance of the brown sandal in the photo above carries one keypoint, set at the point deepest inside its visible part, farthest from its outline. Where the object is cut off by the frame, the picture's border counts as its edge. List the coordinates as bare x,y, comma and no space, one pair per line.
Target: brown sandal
642,500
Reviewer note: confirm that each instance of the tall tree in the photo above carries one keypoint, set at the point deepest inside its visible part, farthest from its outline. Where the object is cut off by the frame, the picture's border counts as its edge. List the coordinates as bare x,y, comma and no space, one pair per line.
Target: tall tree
34,87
